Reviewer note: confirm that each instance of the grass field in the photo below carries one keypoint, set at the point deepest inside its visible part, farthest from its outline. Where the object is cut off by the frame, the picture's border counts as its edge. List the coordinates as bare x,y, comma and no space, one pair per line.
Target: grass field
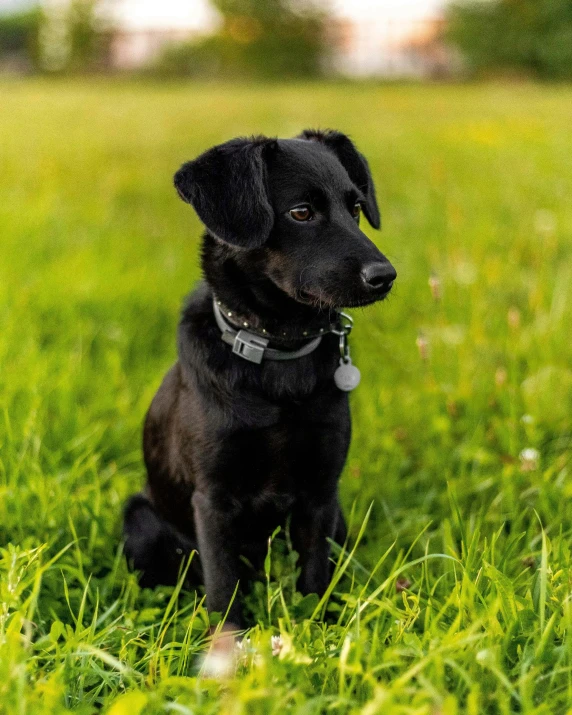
457,598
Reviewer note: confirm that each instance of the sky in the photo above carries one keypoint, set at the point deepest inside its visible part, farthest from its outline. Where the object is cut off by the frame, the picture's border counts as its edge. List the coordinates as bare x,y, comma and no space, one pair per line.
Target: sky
171,14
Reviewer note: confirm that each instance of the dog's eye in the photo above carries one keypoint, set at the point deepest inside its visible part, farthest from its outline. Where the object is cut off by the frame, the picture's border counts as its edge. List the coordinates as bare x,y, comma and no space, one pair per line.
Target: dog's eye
356,210
302,213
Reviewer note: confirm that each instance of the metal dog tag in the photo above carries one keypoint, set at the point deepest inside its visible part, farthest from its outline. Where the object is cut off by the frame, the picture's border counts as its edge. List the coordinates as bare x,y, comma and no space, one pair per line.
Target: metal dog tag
347,376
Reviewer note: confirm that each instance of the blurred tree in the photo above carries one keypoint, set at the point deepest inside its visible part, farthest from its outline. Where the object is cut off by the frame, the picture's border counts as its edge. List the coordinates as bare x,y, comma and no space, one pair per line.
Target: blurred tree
75,36
19,38
531,36
58,36
257,38
89,35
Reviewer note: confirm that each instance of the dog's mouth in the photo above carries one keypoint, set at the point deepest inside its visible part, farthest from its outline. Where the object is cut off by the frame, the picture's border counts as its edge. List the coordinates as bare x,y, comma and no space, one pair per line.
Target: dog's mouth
315,299
322,300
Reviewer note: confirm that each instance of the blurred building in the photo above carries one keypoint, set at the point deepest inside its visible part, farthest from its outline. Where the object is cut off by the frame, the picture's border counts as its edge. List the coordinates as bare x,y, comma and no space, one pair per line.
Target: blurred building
144,28
365,38
379,48
135,48
392,48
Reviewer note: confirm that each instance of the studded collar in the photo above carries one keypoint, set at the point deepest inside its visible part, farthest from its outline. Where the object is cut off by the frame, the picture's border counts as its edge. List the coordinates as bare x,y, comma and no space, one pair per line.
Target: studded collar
253,346
274,331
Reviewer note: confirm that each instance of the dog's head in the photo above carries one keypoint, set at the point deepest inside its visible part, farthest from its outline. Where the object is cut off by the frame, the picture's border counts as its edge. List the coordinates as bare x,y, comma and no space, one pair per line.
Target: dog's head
293,206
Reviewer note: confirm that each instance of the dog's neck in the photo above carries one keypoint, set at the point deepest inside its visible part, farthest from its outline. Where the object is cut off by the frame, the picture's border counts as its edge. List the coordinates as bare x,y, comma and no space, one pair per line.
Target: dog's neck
251,300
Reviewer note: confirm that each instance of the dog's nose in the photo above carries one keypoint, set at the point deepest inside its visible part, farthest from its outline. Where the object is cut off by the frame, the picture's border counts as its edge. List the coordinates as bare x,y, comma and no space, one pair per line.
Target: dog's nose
379,275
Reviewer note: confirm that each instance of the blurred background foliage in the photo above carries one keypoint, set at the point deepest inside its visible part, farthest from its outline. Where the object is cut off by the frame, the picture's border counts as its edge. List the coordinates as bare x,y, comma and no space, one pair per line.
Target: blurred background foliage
261,38
532,37
278,39
257,38
73,37
19,35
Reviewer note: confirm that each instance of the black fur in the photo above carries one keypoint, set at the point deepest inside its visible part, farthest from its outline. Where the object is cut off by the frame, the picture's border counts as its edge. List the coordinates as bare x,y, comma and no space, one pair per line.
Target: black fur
244,218
232,448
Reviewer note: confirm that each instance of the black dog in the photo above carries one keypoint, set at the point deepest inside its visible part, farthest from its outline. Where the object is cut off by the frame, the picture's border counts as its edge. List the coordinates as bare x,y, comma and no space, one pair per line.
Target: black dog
250,428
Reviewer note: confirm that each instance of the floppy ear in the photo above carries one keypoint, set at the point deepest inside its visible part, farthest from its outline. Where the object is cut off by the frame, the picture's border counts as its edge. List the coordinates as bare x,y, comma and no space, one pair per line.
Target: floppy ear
354,163
227,187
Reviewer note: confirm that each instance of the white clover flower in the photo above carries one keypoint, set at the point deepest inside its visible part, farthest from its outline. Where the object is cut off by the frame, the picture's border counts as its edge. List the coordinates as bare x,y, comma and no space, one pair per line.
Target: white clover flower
529,459
423,346
484,656
435,286
276,644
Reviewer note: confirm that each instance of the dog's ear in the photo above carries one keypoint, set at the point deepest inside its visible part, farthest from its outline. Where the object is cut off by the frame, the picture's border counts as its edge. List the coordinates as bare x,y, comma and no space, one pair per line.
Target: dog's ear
227,187
354,163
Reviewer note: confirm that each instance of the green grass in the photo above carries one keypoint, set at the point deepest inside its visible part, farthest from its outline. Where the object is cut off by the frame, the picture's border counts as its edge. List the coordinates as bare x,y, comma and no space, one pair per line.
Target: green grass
457,598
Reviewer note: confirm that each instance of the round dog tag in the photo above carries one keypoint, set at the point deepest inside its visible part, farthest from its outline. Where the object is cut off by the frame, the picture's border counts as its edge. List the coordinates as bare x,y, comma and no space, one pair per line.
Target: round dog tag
347,376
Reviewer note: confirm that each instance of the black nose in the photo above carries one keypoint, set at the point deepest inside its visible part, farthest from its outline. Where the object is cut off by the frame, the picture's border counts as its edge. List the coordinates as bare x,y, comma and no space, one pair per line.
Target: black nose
379,275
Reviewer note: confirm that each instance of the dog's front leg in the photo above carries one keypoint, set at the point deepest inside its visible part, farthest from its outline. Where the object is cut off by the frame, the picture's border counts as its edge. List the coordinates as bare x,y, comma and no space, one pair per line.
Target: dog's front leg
311,529
218,556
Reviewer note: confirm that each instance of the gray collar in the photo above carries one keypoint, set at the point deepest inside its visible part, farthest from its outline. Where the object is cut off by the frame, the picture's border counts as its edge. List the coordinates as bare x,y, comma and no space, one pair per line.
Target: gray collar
254,347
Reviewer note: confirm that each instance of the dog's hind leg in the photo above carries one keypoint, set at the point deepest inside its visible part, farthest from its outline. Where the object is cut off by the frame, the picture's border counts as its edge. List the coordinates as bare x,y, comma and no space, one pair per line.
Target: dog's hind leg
340,534
341,531
155,548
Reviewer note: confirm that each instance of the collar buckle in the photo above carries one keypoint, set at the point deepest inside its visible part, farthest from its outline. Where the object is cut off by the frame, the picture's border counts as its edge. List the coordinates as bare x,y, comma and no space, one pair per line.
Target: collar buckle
249,346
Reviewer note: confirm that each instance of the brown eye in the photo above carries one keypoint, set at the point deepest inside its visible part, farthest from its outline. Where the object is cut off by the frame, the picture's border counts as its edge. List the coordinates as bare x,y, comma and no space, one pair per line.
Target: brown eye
356,210
302,213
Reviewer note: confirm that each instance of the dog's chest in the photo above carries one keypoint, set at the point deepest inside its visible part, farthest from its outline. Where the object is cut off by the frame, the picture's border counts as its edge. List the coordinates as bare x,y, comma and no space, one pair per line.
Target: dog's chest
282,469
294,461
